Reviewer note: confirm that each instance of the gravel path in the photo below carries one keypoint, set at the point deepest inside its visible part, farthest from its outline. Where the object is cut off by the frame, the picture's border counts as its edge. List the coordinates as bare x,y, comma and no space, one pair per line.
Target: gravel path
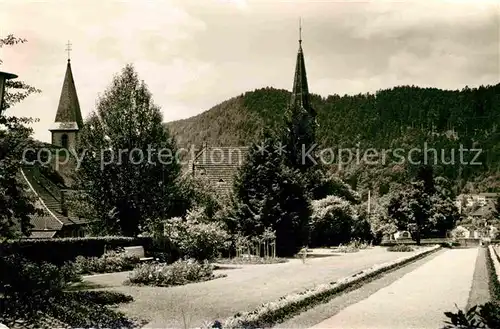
326,310
243,289
417,300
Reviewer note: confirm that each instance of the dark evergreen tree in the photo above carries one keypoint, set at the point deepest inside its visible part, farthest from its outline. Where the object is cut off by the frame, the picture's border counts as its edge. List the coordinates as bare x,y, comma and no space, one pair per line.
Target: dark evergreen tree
299,139
270,194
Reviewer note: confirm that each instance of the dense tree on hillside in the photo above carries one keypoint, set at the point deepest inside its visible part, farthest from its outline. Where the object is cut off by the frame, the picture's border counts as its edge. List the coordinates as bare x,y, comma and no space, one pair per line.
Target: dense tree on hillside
16,206
402,117
496,209
424,207
411,209
268,194
129,170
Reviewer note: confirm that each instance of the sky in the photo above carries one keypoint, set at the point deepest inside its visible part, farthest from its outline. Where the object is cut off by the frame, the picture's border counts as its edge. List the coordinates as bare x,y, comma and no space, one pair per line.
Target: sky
194,54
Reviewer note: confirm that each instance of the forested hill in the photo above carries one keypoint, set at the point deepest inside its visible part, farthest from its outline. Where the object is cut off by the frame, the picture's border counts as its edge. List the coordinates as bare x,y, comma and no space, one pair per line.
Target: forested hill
404,117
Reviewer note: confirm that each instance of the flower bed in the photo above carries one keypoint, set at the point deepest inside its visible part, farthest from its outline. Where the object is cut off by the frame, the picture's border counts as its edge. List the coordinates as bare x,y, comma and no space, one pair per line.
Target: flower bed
400,248
179,273
111,261
251,260
274,312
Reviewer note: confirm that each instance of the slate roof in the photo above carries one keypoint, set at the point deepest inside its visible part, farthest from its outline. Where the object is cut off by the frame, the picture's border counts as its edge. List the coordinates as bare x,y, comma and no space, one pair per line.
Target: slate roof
484,210
68,116
53,220
219,165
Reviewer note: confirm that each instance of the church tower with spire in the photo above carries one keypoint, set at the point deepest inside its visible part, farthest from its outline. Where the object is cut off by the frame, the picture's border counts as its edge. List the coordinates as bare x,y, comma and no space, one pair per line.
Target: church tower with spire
300,117
300,91
68,120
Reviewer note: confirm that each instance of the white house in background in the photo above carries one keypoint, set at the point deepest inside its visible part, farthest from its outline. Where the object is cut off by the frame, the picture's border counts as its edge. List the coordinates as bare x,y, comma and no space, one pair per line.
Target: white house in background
469,232
464,201
462,232
402,235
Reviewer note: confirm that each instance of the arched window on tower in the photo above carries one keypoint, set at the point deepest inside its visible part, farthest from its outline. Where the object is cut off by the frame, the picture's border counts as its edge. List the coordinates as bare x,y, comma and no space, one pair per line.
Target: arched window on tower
64,141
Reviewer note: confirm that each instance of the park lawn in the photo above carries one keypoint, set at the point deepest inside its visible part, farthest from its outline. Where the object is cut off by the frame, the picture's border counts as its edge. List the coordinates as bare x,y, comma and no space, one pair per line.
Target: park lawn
243,289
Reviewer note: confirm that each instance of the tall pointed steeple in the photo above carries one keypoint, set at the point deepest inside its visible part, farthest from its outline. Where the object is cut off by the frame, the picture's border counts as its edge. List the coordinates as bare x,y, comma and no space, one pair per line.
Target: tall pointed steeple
68,120
300,91
68,110
300,117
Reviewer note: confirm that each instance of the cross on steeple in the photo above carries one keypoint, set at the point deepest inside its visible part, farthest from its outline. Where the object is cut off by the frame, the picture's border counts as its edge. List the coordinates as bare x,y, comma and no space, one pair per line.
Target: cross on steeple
300,30
68,49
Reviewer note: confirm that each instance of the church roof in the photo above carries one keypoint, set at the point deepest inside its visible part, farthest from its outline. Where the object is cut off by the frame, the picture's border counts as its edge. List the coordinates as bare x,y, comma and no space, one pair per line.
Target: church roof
69,116
219,165
52,220
485,210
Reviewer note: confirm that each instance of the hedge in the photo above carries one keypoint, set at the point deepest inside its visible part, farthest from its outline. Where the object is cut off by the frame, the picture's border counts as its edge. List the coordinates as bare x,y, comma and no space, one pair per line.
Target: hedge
494,286
431,241
58,251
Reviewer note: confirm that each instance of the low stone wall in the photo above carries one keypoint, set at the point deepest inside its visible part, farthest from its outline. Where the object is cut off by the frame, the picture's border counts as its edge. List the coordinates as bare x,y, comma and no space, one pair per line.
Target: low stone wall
273,312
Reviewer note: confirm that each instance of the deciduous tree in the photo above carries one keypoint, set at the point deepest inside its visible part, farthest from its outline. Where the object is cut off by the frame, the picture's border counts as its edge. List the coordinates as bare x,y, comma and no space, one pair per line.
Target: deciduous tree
129,171
16,205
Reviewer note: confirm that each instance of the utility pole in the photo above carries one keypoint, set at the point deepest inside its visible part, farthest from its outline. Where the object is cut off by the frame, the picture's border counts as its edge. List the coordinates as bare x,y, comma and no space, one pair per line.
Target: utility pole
368,206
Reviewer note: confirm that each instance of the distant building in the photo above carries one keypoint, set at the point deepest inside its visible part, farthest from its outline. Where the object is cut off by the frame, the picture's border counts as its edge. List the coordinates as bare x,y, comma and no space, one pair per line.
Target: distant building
219,165
402,235
485,211
467,201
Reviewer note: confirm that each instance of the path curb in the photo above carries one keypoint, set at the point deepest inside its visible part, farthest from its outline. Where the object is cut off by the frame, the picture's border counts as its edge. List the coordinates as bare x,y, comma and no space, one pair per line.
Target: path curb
274,312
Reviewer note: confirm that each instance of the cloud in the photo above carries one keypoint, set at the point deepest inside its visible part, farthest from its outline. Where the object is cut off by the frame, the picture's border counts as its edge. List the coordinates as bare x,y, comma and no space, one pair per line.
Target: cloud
195,54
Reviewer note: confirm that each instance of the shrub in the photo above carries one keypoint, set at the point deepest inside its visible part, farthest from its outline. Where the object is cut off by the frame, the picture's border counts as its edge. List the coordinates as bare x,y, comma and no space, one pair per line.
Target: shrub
111,261
331,221
81,312
19,276
195,238
478,316
400,248
100,297
459,232
59,251
346,249
34,293
352,246
179,273
450,244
